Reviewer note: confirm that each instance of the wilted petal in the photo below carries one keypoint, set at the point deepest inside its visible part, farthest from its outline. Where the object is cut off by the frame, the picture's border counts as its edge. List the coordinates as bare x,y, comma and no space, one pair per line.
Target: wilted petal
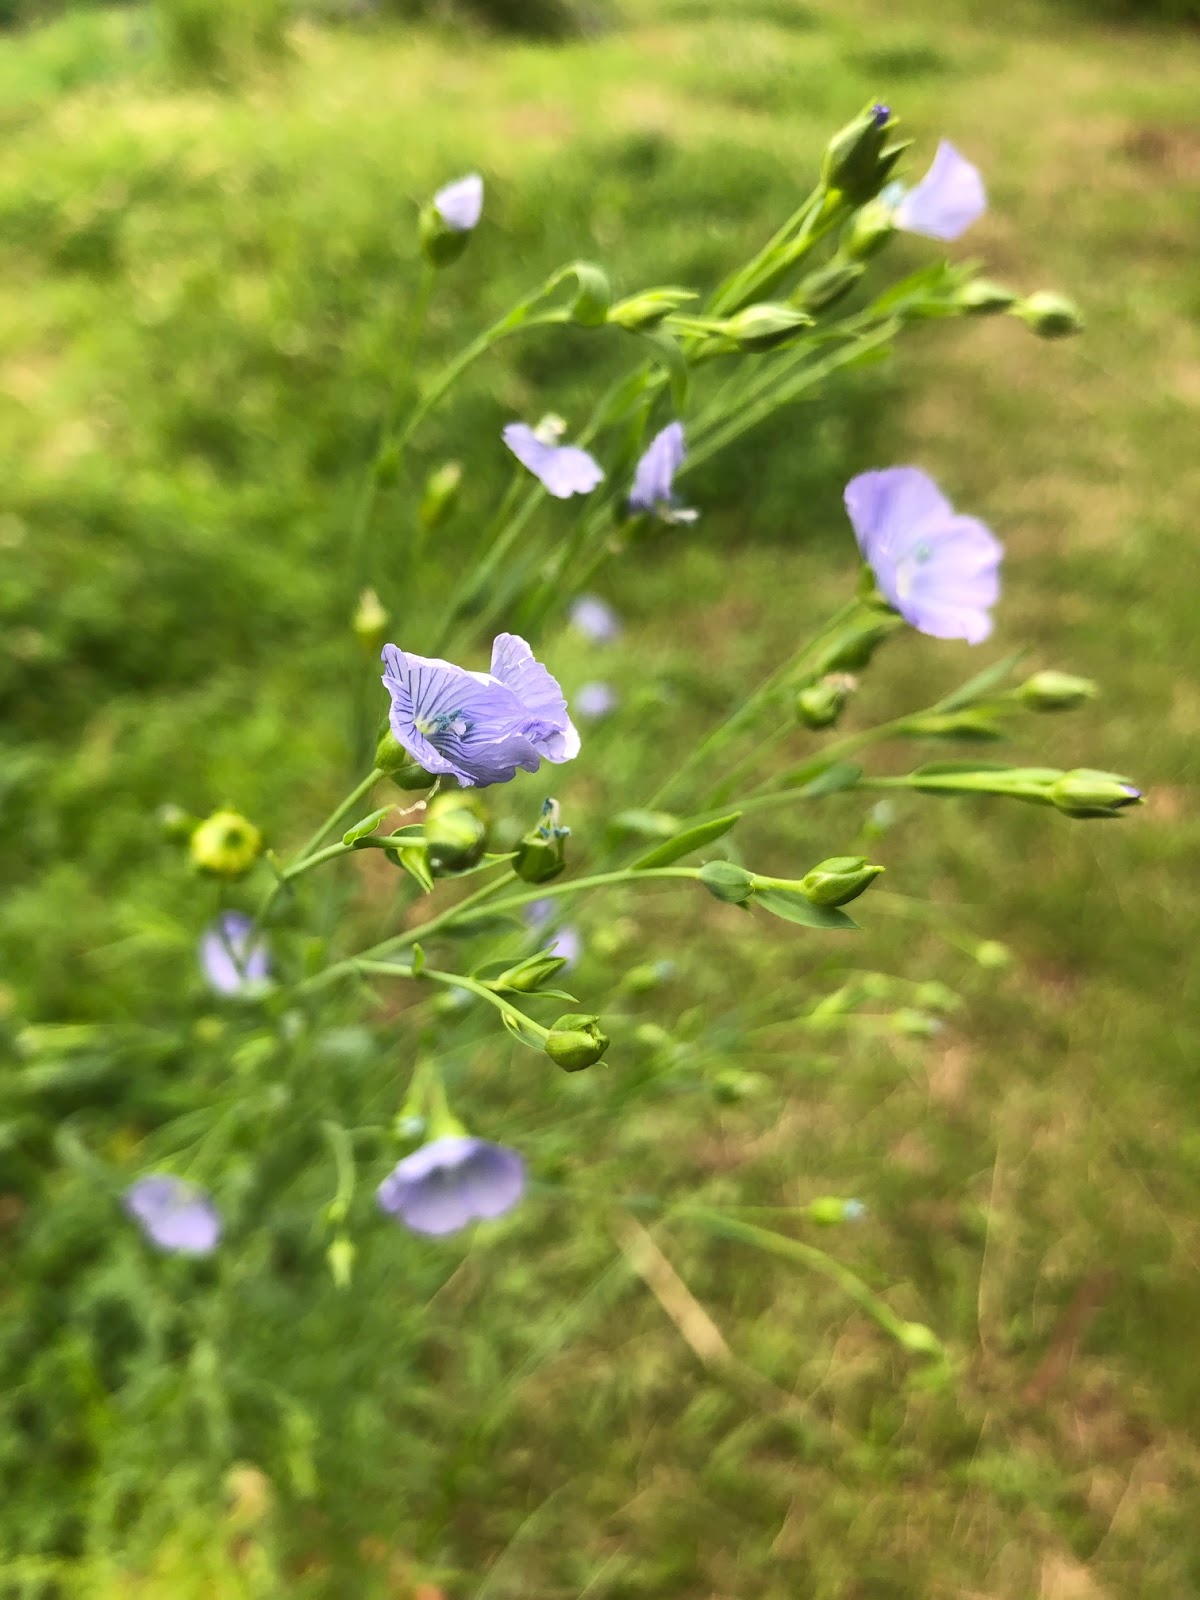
562,469
460,204
948,199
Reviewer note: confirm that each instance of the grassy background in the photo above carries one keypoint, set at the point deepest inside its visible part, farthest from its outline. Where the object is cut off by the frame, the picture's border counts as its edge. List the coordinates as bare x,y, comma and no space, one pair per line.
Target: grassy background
203,296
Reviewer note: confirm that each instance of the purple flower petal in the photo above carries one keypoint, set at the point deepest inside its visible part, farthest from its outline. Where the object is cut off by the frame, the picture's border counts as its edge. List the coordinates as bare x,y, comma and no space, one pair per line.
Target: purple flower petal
595,619
514,665
475,726
450,1182
948,199
460,204
595,700
174,1215
562,469
567,943
654,478
938,569
230,963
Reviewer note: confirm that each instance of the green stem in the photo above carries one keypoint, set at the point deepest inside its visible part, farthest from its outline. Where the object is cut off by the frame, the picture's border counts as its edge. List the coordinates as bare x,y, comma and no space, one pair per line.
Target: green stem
452,980
352,799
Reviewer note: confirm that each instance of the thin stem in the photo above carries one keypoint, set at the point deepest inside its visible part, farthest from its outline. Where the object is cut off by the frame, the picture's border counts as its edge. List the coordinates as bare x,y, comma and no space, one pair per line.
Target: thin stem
452,980
339,812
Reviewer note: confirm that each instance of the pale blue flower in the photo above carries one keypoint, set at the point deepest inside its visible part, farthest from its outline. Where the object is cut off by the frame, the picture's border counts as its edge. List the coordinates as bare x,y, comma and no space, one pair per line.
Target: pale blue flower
450,1182
654,478
948,199
230,961
479,727
595,700
175,1216
567,942
595,619
938,569
460,204
562,469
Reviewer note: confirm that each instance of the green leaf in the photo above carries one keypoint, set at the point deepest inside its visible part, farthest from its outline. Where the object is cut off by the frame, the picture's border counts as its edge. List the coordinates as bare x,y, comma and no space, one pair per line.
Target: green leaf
673,361
684,843
594,296
815,779
520,1028
982,683
367,825
952,769
418,960
413,858
793,906
649,824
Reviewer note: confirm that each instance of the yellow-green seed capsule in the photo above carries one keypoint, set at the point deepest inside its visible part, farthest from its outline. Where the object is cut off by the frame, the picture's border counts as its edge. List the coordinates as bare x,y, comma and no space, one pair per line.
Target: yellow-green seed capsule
225,845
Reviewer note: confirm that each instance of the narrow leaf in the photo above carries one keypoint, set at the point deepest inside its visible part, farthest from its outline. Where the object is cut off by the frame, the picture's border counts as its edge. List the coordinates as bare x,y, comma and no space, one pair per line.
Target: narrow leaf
981,684
367,825
415,862
793,906
683,844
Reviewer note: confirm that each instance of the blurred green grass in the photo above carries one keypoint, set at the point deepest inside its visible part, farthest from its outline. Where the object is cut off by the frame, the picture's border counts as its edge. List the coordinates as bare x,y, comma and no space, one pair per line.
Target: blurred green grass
203,298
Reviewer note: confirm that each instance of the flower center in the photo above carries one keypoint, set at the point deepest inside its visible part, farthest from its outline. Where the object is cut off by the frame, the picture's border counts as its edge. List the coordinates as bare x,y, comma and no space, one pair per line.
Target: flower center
442,723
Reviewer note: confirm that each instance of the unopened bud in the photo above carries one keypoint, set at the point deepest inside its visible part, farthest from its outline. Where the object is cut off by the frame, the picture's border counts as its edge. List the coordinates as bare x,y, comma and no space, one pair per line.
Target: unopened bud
820,290
340,1257
873,226
838,880
226,845
647,310
455,831
766,326
821,704
971,723
1056,691
854,161
1050,315
369,622
541,853
576,1041
983,298
391,757
829,1210
526,977
992,955
447,222
732,1085
441,494
1086,793
727,881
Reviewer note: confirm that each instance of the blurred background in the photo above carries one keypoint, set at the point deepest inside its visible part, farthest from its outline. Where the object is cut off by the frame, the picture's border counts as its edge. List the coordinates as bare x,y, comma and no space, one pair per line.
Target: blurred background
207,245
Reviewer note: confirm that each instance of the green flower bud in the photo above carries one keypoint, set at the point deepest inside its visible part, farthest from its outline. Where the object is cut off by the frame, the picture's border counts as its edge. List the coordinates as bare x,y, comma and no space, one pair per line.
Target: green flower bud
576,1041
732,1085
650,975
972,723
647,310
828,1210
541,853
727,882
992,955
441,494
526,977
455,831
1056,691
340,1257
873,227
1086,793
391,757
853,646
821,704
919,1340
1050,315
825,288
766,326
369,622
440,244
226,845
983,298
838,880
854,161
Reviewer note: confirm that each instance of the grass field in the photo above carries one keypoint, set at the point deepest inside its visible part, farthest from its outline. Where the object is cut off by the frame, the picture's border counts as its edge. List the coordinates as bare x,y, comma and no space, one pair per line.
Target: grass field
203,294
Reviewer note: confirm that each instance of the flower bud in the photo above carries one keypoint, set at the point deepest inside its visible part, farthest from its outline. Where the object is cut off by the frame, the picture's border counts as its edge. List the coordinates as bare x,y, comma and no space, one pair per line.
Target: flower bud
455,831
527,977
854,161
541,853
919,1340
391,757
226,845
340,1257
1086,793
983,298
873,226
827,1210
825,288
646,310
441,494
766,326
992,955
838,880
727,881
1050,315
732,1085
648,976
821,704
576,1041
971,723
1056,691
369,622
447,222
